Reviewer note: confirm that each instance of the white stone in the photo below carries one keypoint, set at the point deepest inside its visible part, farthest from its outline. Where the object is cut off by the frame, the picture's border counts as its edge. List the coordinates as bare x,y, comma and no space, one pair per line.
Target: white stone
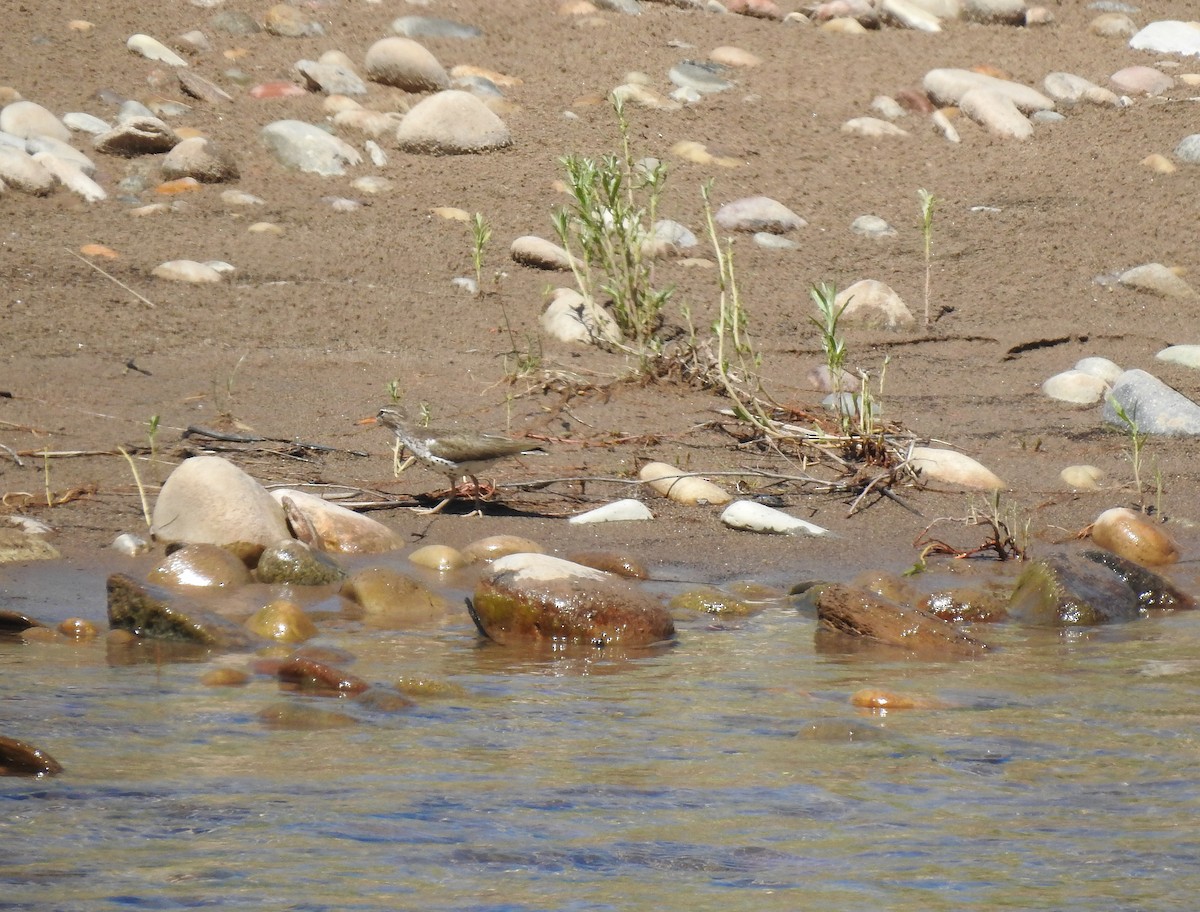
997,113
570,317
632,93
626,510
1169,36
887,107
71,176
947,87
942,124
1082,477
872,226
682,487
528,566
1076,387
953,467
452,123
873,304
405,64
1187,355
19,171
872,127
758,213
1156,279
60,149
1106,370
1141,80
186,271
751,516
85,123
209,499
152,49
27,118
373,123
910,15
530,250
1067,87
1188,149
301,145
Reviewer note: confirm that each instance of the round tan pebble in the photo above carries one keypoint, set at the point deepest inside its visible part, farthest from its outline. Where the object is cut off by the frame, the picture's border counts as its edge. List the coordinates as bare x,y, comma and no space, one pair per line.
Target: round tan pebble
283,621
873,698
1082,477
497,546
1134,536
442,558
610,562
225,677
78,629
39,635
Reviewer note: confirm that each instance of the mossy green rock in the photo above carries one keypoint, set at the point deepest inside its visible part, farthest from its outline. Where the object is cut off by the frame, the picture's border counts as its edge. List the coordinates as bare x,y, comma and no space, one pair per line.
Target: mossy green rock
155,613
296,563
708,600
535,598
1066,591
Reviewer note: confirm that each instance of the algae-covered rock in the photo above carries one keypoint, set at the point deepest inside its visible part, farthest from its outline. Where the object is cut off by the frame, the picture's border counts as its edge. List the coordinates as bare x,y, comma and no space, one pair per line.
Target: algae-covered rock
535,598
1065,591
389,597
709,600
966,604
852,614
296,563
152,612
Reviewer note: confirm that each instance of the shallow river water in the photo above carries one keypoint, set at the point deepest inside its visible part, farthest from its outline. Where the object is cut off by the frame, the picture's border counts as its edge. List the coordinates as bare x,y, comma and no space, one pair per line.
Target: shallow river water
728,772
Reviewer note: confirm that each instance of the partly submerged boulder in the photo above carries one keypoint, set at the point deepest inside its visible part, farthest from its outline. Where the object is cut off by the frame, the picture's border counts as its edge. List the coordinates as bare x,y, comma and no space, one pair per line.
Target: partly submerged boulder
536,598
850,616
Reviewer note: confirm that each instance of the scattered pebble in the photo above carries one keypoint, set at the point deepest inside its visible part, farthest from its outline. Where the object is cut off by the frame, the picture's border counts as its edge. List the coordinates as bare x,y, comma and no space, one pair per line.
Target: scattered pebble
1156,279
953,467
539,253
627,510
872,226
1187,355
404,64
872,128
26,118
1141,80
1169,36
758,213
296,144
450,123
875,305
751,516
1076,387
702,76
153,49
1188,150
186,271
1082,477
430,27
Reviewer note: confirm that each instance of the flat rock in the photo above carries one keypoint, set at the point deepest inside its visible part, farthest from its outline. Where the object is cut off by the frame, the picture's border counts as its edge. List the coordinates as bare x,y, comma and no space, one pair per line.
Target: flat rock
209,499
137,134
872,226
186,271
1006,12
432,27
872,128
873,304
332,527
1187,355
625,510
849,617
202,159
997,112
27,118
330,78
570,317
1155,407
539,599
153,49
751,516
1188,149
202,89
452,123
1076,387
405,64
1157,279
953,467
530,250
947,87
705,77
1072,89
68,172
758,213
1069,591
19,171
1169,36
300,145
1113,25
152,612
1141,80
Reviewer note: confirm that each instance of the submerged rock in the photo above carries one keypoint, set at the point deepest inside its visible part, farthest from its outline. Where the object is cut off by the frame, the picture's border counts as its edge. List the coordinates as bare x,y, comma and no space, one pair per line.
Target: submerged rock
1151,590
283,621
311,676
535,598
296,563
20,759
154,613
201,565
853,614
388,597
1066,591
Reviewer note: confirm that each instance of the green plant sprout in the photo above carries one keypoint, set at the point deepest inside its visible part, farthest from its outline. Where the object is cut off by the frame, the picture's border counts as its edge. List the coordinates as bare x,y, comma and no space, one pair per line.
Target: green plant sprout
394,390
605,229
928,203
152,435
481,233
833,344
1137,440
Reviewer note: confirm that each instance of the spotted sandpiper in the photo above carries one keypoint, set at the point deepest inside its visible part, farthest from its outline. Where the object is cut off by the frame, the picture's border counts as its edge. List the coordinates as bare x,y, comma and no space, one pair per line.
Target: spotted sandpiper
456,454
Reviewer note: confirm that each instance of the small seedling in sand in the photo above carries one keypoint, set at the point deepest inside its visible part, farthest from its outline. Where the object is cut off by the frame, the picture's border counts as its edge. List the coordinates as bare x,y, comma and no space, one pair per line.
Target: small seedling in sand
393,390
1137,440
481,233
152,435
833,344
928,202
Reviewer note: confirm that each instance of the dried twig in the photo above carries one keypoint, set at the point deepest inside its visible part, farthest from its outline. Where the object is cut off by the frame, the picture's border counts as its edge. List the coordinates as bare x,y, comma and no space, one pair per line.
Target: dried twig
111,278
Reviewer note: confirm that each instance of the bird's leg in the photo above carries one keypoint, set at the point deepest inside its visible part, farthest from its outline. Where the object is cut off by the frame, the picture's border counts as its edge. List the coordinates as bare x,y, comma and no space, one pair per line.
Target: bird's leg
430,511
